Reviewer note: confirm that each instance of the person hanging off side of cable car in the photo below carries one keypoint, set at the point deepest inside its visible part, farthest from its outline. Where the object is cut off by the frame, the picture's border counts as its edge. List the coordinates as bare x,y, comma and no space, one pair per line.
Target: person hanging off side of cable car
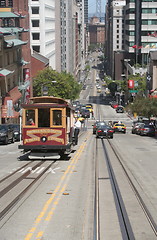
77,127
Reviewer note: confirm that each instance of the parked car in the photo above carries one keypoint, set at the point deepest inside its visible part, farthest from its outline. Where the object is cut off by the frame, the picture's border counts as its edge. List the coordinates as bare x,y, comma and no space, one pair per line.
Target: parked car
120,109
146,129
97,124
104,131
16,130
119,127
135,127
6,134
114,104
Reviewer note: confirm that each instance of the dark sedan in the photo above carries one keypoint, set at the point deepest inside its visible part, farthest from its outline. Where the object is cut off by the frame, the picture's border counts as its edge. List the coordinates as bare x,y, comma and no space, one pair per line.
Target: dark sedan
6,134
96,125
104,131
85,113
16,130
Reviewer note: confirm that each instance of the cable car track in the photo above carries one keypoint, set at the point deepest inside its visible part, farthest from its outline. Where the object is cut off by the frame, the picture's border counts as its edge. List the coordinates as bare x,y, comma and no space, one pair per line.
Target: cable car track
124,222
15,185
140,200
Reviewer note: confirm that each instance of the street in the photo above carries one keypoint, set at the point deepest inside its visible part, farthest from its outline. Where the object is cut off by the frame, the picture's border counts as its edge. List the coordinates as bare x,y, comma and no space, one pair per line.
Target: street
61,203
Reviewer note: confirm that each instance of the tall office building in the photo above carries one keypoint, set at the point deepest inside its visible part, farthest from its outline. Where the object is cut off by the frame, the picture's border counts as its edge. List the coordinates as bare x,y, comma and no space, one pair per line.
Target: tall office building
42,28
69,17
136,27
114,34
140,28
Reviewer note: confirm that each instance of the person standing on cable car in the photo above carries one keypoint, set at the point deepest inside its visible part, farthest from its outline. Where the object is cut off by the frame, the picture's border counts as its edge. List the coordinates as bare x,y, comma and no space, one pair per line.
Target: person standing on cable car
77,127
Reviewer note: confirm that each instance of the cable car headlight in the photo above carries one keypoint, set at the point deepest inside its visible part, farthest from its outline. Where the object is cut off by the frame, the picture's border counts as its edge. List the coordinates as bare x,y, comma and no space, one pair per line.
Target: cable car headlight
43,139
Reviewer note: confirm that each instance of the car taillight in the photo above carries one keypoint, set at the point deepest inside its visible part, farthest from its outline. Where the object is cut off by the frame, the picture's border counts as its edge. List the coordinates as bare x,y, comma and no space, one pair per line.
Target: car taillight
99,131
111,131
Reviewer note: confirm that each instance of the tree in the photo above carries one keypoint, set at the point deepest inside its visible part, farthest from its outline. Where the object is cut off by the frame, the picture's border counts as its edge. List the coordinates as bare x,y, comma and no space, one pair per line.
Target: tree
144,107
112,87
61,85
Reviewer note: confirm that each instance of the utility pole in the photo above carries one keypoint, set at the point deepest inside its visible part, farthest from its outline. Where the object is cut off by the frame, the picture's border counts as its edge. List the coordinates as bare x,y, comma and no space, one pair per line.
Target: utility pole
98,9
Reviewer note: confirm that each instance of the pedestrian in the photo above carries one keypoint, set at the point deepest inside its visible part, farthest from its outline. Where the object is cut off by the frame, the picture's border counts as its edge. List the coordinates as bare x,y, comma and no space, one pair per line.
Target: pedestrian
77,126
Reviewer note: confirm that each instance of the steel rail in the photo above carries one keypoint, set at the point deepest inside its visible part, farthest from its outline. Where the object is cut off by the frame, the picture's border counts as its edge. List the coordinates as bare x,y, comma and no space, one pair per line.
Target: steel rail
14,186
96,233
126,229
137,194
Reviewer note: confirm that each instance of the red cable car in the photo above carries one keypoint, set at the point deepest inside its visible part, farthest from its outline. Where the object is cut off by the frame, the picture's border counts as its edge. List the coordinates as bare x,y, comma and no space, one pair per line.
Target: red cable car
47,127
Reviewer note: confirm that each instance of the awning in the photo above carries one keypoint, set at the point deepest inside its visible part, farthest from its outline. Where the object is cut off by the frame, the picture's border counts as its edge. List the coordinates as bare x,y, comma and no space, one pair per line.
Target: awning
15,42
8,15
15,94
4,31
5,72
14,29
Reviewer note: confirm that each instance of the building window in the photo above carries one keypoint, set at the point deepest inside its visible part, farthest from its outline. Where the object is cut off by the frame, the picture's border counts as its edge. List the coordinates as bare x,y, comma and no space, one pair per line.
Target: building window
35,23
10,3
117,21
36,48
3,3
117,46
35,36
35,10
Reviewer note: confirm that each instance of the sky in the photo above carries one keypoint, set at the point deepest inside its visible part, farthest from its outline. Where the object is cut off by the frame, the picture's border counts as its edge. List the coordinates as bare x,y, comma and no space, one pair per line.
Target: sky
92,6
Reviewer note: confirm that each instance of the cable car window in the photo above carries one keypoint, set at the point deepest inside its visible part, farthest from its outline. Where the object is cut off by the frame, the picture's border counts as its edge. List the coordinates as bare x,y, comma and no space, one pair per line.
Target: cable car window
57,117
30,117
43,117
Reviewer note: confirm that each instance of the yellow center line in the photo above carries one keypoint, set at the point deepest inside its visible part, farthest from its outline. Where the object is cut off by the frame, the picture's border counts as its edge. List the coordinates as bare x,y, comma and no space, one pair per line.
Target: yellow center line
67,174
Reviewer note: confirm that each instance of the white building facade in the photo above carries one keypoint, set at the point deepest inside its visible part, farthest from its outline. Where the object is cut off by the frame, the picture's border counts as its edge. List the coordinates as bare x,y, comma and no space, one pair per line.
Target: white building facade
42,28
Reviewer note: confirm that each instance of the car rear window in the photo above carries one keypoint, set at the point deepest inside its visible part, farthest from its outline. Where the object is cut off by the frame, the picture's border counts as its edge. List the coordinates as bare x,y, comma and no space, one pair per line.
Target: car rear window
121,125
148,126
2,127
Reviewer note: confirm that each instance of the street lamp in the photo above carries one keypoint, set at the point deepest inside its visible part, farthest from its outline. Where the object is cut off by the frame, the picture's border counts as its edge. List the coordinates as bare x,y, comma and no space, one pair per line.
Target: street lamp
44,89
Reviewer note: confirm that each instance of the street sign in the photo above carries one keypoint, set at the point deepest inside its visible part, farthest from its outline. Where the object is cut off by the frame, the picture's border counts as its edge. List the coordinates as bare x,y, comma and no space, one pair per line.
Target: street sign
133,91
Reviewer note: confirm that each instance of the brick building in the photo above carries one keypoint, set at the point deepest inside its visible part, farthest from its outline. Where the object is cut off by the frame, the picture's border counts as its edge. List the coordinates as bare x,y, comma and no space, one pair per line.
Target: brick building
15,58
96,31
